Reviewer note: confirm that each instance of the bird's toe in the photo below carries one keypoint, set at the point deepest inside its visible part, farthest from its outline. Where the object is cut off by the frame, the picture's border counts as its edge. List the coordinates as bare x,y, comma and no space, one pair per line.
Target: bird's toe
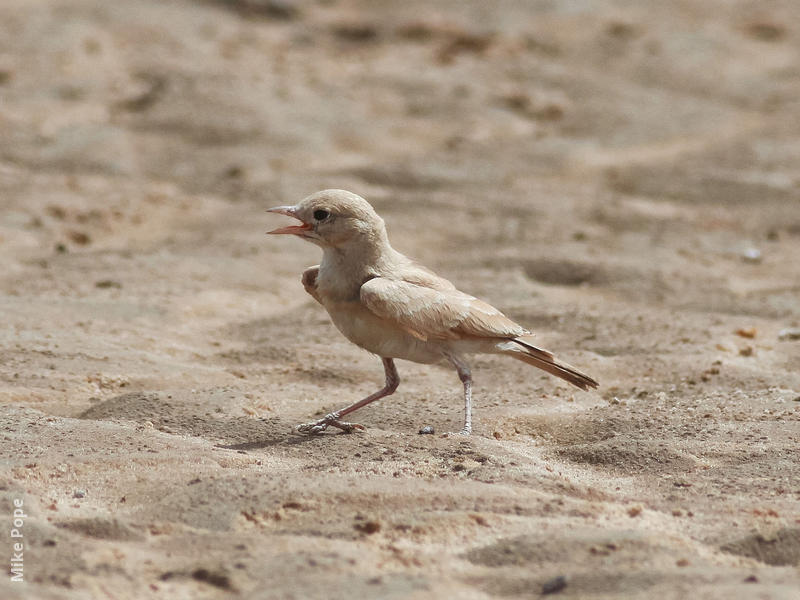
317,427
348,427
311,428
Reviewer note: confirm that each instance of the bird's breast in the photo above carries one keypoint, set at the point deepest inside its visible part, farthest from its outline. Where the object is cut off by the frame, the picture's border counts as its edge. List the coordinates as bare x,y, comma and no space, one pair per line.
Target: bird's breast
379,336
337,288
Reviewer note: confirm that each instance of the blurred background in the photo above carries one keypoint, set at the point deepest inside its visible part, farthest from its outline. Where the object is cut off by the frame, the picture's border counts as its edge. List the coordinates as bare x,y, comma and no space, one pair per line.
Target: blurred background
620,125
693,102
647,151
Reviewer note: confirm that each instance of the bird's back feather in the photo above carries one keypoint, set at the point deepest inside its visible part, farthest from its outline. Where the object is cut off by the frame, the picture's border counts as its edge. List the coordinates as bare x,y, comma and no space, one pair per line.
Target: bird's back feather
435,314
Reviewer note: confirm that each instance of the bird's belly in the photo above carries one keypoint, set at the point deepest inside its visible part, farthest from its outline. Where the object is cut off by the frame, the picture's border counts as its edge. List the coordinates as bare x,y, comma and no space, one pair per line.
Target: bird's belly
379,336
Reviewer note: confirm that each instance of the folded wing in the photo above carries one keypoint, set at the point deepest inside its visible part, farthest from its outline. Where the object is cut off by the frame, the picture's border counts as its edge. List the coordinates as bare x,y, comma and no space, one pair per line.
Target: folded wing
436,314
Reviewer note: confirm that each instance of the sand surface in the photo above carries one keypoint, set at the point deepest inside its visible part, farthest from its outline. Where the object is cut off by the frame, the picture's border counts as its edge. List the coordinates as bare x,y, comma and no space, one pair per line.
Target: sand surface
622,177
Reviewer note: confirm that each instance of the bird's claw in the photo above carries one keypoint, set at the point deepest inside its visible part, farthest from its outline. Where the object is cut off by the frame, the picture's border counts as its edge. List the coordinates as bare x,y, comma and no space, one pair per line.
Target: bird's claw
348,427
317,427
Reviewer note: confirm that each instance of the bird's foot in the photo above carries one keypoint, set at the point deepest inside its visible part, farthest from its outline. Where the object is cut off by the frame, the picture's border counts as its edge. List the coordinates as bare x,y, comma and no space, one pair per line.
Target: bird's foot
467,431
329,420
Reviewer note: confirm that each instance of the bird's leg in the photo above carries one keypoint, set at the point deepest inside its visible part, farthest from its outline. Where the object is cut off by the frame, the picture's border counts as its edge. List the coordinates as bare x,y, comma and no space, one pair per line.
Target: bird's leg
465,376
332,419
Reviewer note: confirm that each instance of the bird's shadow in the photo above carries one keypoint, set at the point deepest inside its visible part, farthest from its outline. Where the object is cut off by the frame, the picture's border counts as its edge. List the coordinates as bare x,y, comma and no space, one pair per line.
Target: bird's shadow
178,415
289,439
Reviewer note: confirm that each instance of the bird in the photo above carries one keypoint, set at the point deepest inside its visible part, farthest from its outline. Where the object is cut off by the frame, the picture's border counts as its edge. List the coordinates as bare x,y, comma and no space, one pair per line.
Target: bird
395,308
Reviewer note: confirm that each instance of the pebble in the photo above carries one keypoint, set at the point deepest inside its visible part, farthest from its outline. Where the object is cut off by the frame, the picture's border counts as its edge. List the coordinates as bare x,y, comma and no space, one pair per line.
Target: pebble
792,333
751,255
79,494
369,527
108,283
427,430
554,585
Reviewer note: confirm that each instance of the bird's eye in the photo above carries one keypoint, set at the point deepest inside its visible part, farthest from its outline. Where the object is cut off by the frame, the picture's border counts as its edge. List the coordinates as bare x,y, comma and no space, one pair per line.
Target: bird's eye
321,214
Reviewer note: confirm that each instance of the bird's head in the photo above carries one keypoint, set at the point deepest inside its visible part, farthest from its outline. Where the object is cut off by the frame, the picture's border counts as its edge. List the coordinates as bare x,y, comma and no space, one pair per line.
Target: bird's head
332,219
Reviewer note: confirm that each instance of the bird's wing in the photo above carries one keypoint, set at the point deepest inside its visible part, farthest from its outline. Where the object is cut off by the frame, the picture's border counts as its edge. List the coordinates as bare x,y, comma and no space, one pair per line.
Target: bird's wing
436,314
310,281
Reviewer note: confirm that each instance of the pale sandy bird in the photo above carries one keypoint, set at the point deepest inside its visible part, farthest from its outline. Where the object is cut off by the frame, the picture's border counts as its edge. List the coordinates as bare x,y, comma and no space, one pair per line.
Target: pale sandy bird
391,306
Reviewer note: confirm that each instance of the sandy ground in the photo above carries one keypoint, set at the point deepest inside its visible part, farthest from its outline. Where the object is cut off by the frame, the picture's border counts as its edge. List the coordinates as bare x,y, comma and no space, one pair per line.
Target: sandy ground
622,177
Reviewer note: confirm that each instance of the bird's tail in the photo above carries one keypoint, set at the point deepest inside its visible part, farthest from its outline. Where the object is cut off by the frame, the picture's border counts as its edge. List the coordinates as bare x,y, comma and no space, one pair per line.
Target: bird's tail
545,360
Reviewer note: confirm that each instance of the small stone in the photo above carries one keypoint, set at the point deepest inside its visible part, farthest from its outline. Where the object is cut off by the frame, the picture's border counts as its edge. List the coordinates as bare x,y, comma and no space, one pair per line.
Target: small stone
356,32
751,579
279,10
479,519
634,511
416,30
427,430
792,333
751,255
683,562
746,351
107,283
234,172
622,30
554,585
463,42
79,237
369,527
79,494
276,9
747,332
765,31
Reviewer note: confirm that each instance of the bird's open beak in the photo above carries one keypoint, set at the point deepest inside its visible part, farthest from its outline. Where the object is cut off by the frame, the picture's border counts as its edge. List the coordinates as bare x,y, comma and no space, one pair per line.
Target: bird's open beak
289,211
